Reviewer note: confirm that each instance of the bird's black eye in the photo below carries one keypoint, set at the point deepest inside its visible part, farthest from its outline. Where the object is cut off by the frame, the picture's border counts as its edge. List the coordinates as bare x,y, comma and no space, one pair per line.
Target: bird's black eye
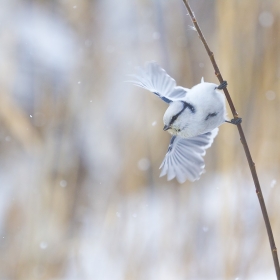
173,119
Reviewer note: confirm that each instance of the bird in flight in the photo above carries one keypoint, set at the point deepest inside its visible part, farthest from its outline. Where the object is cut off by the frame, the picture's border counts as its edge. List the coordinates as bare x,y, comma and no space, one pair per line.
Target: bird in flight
192,118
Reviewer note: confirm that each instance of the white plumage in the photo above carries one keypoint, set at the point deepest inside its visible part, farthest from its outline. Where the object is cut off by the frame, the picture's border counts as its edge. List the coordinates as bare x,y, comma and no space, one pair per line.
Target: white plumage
193,117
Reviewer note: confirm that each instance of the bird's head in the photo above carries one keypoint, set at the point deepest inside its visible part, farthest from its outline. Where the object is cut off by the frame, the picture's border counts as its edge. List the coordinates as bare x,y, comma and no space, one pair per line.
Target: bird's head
177,115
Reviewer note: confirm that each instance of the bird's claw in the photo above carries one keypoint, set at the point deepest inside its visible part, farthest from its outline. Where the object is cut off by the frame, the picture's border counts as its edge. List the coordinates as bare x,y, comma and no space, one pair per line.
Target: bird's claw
222,85
235,121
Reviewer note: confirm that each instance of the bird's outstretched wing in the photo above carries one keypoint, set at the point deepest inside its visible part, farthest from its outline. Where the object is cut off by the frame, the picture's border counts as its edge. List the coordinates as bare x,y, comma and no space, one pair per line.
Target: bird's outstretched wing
184,158
156,80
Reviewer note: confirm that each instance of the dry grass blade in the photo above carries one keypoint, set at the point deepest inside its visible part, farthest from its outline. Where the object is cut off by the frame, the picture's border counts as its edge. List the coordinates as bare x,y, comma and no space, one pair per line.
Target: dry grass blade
243,141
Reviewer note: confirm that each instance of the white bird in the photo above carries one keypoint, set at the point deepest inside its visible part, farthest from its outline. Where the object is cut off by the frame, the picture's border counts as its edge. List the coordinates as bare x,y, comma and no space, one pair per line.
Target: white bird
193,118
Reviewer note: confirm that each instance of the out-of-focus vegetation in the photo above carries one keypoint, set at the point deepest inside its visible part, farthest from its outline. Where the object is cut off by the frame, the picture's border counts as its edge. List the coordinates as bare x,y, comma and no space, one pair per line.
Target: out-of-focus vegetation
80,196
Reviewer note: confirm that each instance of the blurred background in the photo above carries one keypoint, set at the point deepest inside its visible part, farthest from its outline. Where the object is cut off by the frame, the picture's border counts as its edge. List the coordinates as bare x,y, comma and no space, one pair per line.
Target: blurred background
80,193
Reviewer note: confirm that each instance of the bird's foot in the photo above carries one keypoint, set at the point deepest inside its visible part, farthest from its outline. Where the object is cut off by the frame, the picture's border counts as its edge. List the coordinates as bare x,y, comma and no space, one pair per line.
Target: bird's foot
222,85
235,121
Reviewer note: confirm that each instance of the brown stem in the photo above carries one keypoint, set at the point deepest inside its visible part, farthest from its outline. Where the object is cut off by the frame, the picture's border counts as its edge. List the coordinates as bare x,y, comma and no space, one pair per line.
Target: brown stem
243,141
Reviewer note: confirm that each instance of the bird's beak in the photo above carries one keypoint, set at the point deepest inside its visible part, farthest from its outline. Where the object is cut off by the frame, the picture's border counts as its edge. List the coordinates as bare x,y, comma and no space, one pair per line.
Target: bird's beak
166,127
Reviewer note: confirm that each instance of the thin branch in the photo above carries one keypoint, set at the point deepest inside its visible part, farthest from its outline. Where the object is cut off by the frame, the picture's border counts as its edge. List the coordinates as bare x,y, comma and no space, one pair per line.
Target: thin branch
243,141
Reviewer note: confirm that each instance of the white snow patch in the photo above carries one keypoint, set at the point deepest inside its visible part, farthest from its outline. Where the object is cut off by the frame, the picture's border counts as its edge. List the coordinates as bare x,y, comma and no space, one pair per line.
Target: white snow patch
266,19
144,164
270,95
43,245
273,183
63,183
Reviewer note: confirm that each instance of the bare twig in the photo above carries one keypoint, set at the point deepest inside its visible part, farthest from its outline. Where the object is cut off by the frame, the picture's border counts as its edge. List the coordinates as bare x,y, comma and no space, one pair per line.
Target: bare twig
243,141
